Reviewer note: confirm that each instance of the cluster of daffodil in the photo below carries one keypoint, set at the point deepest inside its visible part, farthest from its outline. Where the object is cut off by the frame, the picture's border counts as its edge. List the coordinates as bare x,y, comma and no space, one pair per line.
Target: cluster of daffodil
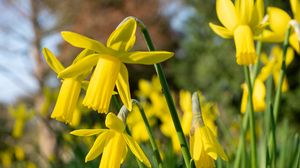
14,153
99,69
246,22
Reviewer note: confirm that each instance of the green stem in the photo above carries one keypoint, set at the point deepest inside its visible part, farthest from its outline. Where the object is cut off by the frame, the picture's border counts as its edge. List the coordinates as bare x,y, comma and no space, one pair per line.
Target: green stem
282,74
183,143
251,117
156,155
241,147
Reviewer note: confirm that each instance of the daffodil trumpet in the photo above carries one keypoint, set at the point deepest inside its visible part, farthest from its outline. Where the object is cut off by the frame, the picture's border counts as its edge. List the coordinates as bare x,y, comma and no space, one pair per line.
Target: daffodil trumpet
243,22
112,143
110,70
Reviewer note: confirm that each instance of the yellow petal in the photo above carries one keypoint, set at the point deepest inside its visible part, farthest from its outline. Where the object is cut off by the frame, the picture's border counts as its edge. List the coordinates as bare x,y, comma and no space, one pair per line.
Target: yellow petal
67,100
258,13
295,5
52,61
81,41
136,150
289,56
185,101
123,87
113,152
87,132
227,14
80,66
99,145
221,31
211,145
295,42
102,83
82,54
270,36
123,38
279,20
266,71
197,148
244,9
244,43
113,122
147,57
259,95
244,98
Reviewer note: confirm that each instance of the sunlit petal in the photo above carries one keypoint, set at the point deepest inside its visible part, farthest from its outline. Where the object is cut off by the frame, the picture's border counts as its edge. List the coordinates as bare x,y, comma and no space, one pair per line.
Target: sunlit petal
113,122
221,31
227,14
146,57
279,20
52,61
123,87
136,150
78,68
87,132
123,38
81,41
99,144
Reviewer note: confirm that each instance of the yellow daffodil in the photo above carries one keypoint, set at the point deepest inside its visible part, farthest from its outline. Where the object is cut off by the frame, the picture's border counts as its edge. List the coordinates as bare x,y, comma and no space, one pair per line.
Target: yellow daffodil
19,153
110,70
272,65
185,102
70,89
112,143
6,159
241,21
258,97
204,145
279,21
21,115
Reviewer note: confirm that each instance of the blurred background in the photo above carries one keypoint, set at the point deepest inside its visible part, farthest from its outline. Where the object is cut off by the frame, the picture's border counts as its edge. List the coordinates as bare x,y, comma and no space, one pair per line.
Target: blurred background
28,88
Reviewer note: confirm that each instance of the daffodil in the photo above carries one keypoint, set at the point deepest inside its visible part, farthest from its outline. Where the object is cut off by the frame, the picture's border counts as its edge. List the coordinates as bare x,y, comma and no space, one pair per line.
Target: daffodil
69,91
6,159
21,115
258,97
272,66
110,70
279,21
204,145
242,21
112,143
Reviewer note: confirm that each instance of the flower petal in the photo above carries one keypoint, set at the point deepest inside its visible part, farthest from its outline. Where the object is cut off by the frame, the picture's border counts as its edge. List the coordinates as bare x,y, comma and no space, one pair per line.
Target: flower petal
136,150
99,145
221,31
258,13
227,14
113,152
146,57
79,67
81,41
113,122
123,38
279,20
52,61
295,42
87,132
123,87
295,5
82,54
244,10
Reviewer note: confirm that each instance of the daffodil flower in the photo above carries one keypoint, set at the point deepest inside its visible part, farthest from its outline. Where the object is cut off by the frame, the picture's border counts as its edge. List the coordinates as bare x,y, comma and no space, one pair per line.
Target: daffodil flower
205,148
110,70
69,91
258,97
279,21
272,66
112,143
21,115
241,21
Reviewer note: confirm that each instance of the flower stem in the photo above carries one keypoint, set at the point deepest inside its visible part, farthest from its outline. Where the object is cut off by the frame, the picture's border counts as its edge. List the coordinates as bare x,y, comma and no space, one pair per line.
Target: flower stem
183,143
156,155
251,117
282,74
241,148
